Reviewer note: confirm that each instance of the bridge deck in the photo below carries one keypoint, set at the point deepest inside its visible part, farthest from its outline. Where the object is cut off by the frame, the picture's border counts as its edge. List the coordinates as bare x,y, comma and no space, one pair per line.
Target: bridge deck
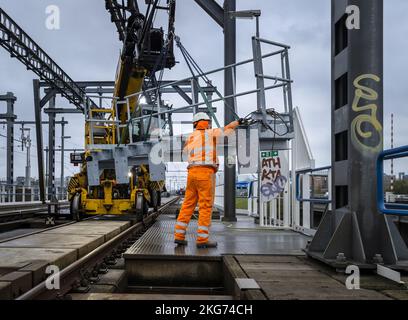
242,237
270,259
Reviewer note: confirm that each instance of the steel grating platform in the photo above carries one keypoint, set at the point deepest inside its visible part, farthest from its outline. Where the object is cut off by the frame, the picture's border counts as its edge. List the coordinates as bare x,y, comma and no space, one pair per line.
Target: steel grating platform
155,260
242,237
271,258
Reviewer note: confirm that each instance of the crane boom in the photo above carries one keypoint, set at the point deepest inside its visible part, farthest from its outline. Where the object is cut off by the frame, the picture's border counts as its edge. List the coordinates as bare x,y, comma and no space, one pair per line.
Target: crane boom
122,186
145,51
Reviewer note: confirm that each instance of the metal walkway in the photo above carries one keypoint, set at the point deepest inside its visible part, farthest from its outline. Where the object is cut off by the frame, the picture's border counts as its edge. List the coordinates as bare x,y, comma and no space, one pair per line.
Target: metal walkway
242,237
250,263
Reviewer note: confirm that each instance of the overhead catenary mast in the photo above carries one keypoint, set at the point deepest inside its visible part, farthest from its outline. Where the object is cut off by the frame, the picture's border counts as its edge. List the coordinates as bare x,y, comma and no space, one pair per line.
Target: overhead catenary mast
392,147
26,142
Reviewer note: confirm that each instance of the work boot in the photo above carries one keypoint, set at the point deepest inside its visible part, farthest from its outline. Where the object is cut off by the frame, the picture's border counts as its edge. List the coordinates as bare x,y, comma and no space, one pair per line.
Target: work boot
209,244
180,242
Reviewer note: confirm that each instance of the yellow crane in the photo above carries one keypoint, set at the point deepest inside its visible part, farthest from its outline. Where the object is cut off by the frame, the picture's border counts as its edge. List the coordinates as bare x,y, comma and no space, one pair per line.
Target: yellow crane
146,50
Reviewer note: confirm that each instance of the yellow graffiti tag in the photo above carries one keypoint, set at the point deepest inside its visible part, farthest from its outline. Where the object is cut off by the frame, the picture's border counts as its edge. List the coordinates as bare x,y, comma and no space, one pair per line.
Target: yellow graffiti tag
358,135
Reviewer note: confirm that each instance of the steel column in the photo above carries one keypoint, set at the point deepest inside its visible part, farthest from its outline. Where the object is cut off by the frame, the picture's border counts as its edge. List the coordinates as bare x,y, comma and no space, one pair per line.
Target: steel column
223,18
47,172
10,117
365,63
28,166
355,232
51,154
213,9
10,138
38,129
27,143
62,158
229,80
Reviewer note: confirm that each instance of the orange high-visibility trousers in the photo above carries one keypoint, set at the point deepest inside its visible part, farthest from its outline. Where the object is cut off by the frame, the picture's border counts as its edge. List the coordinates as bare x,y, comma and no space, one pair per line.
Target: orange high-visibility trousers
201,189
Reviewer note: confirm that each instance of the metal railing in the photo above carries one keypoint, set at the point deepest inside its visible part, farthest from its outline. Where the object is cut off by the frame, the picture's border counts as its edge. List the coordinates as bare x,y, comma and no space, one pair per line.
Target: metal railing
24,194
383,207
311,172
283,82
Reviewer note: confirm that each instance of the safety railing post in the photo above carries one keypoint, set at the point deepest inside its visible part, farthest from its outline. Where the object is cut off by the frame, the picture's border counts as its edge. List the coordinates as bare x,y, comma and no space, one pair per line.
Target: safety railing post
159,110
286,209
115,106
130,124
289,87
91,124
284,88
306,198
260,82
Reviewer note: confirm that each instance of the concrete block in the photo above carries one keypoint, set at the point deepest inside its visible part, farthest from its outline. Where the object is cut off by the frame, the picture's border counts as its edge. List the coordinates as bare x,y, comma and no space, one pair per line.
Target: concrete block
17,258
37,269
82,243
5,291
20,282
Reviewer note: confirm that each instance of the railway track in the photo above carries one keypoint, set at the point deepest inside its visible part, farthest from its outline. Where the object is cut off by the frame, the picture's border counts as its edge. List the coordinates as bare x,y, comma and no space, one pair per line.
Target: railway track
80,274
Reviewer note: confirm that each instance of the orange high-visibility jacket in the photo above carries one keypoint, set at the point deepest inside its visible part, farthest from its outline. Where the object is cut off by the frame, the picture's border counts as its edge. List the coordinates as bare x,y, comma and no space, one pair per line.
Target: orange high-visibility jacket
201,145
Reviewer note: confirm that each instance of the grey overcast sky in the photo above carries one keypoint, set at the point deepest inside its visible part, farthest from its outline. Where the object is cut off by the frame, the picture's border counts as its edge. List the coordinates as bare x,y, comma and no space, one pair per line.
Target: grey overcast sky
87,48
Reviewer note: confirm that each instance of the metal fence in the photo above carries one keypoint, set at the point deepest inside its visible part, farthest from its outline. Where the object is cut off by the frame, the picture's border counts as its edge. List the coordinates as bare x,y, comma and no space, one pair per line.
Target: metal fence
22,194
387,208
313,193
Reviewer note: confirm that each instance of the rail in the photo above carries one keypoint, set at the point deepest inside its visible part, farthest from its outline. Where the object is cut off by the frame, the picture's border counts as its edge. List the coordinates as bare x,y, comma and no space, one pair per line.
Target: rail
71,274
383,207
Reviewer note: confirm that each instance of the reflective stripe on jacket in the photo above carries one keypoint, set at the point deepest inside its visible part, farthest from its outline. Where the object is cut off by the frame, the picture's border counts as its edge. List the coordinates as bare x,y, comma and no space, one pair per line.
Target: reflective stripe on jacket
201,145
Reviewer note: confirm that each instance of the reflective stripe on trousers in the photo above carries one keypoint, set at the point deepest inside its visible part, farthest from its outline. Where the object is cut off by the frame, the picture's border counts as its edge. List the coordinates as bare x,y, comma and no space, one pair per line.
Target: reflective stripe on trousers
202,234
200,189
180,230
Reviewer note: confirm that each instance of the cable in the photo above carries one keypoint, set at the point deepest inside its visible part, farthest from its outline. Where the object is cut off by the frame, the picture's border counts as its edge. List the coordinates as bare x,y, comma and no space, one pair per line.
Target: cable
276,115
16,140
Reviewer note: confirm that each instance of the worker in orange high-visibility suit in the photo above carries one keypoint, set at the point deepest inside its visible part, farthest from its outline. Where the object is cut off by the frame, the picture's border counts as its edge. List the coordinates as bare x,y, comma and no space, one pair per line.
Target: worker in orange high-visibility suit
203,164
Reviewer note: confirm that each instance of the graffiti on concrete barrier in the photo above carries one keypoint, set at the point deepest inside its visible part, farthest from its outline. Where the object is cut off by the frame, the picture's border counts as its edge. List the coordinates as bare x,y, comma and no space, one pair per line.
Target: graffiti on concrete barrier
366,129
273,175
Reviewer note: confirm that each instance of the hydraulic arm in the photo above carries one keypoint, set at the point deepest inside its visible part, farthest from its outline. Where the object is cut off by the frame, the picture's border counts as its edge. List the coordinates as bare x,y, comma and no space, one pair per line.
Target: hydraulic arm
146,50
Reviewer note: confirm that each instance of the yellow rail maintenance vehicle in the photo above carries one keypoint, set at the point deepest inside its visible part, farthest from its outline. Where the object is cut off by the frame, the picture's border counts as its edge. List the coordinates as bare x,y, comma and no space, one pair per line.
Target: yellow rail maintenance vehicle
116,177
